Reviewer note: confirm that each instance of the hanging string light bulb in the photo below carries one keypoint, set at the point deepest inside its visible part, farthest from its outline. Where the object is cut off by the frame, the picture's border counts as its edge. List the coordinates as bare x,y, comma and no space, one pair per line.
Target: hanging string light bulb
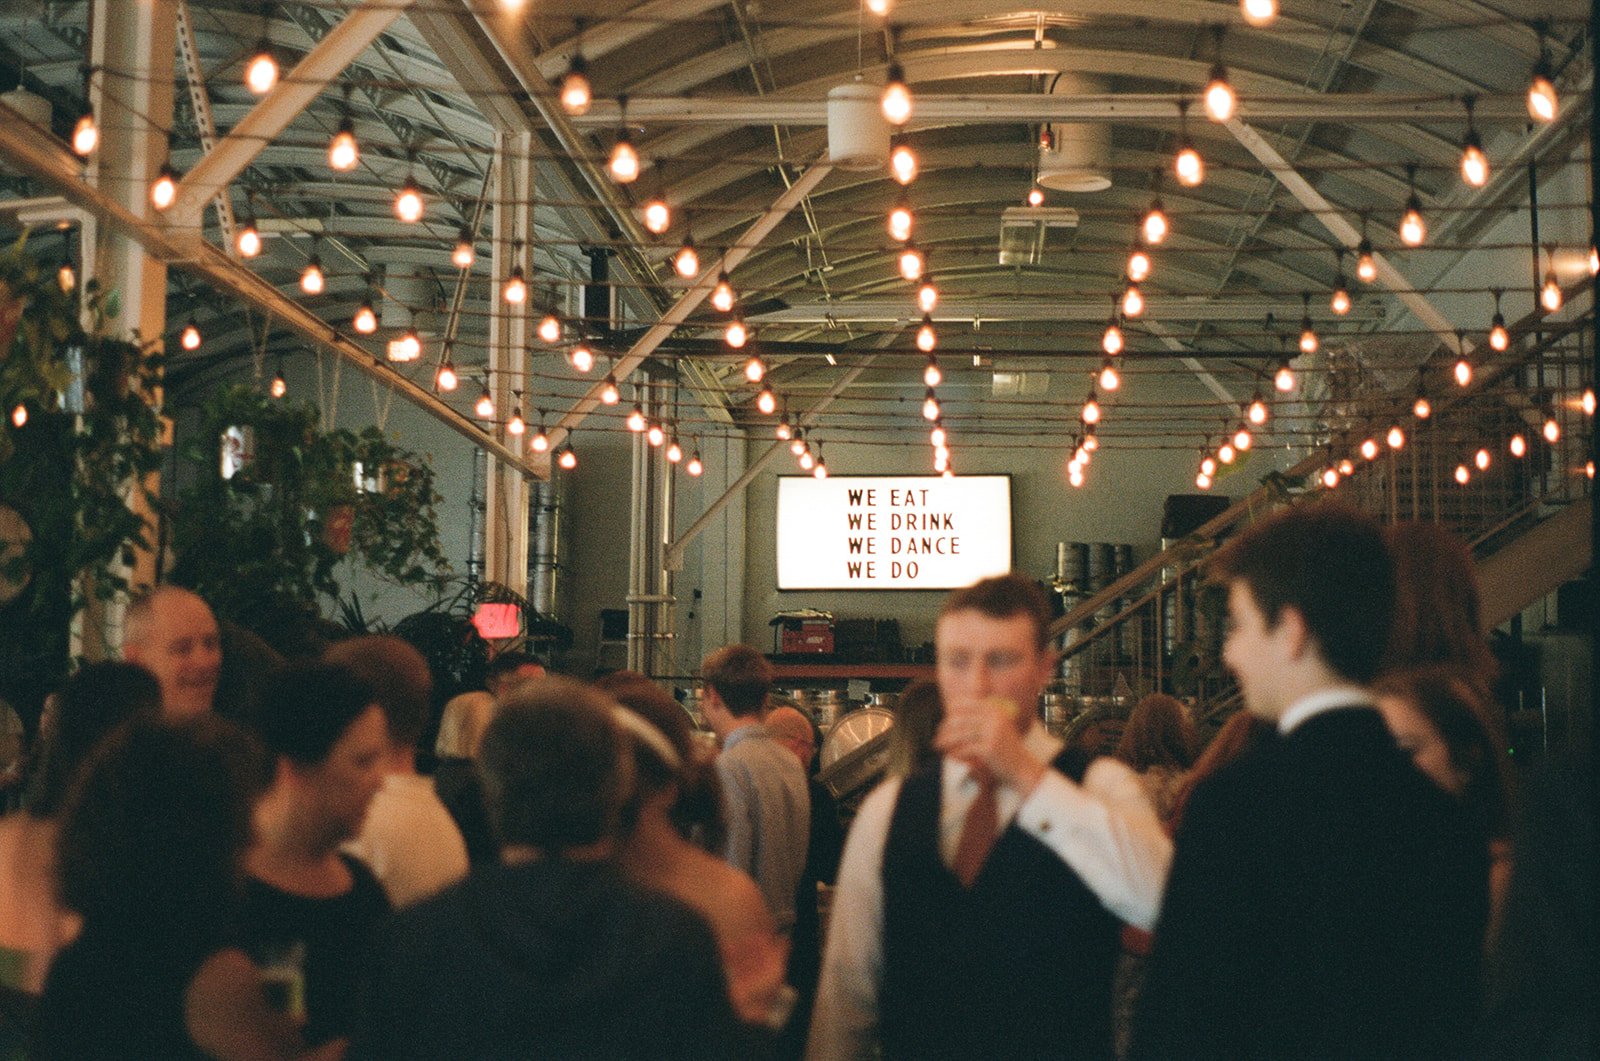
581,357
1226,453
515,289
19,416
1259,12
657,214
735,334
261,72
784,431
344,152
549,329
1091,439
624,165
484,407
896,99
1369,449
1113,341
312,279
1035,196
687,261
655,435
576,93
1421,407
85,135
1396,438
445,379
1463,476
1220,100
1242,439
1284,379
1474,163
1518,445
903,162
1413,230
1463,367
927,295
164,189
927,338
67,273
755,369
1550,294
797,444
807,459
1499,337
609,392
464,253
766,401
1481,459
636,421
900,220
247,241
1339,301
1138,265
930,406
1366,264
1543,103
1551,429
1132,301
189,338
932,375
279,386
407,347
1256,412
1187,164
1091,408
540,442
1110,380
1586,401
516,426
1208,463
365,321
722,296
568,457
696,467
820,471
937,436
1154,226
1308,334
408,205
911,263
674,452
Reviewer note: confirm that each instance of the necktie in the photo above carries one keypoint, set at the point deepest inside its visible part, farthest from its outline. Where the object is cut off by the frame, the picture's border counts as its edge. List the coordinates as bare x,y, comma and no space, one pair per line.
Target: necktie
978,833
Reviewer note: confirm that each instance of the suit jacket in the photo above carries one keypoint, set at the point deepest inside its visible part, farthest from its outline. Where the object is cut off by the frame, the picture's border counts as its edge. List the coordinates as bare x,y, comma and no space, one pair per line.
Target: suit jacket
1326,900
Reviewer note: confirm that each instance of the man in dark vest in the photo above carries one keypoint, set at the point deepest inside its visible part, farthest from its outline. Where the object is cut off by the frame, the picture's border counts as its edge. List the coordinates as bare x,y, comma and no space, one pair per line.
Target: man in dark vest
978,902
1326,900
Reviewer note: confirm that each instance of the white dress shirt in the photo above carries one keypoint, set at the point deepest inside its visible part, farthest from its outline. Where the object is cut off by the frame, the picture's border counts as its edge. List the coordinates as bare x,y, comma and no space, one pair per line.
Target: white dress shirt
1322,700
1104,829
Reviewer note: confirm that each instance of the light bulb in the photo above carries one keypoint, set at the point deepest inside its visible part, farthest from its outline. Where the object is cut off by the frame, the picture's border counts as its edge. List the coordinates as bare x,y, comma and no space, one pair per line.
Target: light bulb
515,289
900,222
927,296
1091,441
1330,477
568,459
1396,437
1463,372
1075,476
674,451
1474,163
636,420
1340,302
931,373
911,264
657,215
446,379
279,386
1036,196
484,407
735,334
930,406
1226,453
540,442
1308,337
1257,412
1518,445
1421,408
312,279
1366,264
1138,266
609,395
1594,260
755,369
1551,430
1132,301
807,461
927,338
1499,338
878,7
696,466
516,425
343,151
1586,401
248,240
1189,167
821,470
1283,379
903,163
190,337
365,322
1550,293
1413,230
655,435
896,99
1369,449
261,73
1112,342
1208,465
1155,224
1203,481
1481,459
722,297
582,358
1091,410
941,462
1242,439
85,136
1109,379
1543,103
1346,467
66,278
783,432
550,329
624,163
797,445
408,205
408,347
1219,98
1462,475
164,189
1259,12
687,261
766,401
576,92
937,437
464,253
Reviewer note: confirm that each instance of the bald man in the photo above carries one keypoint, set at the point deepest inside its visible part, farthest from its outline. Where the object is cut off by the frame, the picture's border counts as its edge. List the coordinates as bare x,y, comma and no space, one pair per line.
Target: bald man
793,730
172,633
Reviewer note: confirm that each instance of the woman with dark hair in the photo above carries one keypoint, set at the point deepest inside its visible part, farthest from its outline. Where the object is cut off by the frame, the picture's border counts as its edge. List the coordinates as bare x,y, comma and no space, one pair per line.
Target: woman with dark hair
1438,716
657,854
1438,618
916,720
1159,743
151,848
33,926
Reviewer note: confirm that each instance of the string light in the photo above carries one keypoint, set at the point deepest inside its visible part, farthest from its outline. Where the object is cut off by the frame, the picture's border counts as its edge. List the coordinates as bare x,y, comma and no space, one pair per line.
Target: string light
807,460
464,253
247,241
1259,12
1219,98
937,437
821,470
261,72
164,189
911,263
1208,463
408,205
1075,475
1594,260
516,425
1462,475
657,215
900,219
1413,230
755,369
1035,196
696,467
797,444
189,338
1132,301
1226,453
446,379
1242,439
1189,167
1330,477
636,421
1346,467
567,458
85,135
735,334
674,451
581,357
930,406
1463,371
1518,445
1091,441
1474,163
407,347
1551,430
624,162
896,101
540,442
903,163
927,295
515,289
722,296
1396,437
766,401
927,338
1550,293
878,7
279,386
1154,225
67,275
1586,401
549,329
1091,408
1366,264
1543,103
1308,336
1284,379
1421,408
1369,449
484,407
344,153
1138,265
687,261
1256,412
576,93
609,394
1113,342
1499,338
19,416
784,432
1109,379
365,321
1203,481
1339,301
312,279
654,435
932,376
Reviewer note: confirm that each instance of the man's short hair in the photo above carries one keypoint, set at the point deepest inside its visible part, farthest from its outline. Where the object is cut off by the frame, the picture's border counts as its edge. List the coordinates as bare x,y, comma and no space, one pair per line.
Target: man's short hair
741,677
1329,563
553,766
399,677
1004,597
304,708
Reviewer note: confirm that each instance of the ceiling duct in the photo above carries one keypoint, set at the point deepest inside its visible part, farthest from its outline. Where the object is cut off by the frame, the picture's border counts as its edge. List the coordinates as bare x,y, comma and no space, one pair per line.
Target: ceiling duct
1075,157
1027,232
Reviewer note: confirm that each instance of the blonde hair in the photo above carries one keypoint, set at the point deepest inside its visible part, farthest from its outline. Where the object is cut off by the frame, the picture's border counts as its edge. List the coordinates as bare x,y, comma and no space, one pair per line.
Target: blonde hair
462,726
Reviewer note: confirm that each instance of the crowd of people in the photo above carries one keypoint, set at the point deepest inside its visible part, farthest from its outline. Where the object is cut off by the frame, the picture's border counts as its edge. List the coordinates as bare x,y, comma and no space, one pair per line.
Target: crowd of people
1332,874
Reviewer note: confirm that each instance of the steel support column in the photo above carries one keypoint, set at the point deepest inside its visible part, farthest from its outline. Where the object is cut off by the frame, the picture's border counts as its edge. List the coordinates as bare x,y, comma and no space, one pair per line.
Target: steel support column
506,554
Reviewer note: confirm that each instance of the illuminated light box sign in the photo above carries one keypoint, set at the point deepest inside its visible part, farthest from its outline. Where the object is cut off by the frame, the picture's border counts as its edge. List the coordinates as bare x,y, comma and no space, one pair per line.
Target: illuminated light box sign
892,532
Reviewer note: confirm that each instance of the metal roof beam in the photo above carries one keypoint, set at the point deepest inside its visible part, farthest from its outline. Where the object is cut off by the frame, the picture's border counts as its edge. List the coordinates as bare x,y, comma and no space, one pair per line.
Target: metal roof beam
901,311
